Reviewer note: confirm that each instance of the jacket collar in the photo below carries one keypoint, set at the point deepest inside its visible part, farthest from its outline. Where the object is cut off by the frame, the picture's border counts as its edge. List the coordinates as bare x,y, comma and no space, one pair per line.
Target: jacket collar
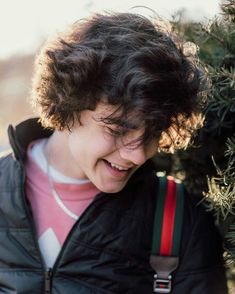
24,133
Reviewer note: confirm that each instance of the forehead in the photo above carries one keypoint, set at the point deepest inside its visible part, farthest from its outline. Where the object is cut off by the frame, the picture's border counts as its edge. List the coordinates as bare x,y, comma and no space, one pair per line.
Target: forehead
103,110
117,115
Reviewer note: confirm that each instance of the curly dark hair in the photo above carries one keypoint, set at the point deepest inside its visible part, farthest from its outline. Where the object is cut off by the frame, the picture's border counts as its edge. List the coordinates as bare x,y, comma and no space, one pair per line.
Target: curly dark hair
125,60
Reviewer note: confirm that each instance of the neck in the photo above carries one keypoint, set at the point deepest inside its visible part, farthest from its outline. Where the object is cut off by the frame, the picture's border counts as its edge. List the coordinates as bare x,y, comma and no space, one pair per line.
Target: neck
59,156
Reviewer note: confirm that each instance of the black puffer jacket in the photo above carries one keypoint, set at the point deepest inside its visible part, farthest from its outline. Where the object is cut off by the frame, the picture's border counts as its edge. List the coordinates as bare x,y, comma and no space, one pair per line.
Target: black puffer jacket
108,249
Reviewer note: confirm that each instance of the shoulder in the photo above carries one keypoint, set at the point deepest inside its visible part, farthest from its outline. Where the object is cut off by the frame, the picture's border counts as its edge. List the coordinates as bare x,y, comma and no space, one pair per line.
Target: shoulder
5,153
201,246
197,216
10,169
6,158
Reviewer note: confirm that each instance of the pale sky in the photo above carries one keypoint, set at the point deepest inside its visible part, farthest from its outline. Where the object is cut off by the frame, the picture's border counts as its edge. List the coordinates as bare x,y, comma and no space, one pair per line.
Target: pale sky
24,24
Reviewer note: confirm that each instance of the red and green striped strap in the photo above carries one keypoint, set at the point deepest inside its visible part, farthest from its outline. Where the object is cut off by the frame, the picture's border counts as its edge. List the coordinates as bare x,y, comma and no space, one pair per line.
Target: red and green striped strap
168,218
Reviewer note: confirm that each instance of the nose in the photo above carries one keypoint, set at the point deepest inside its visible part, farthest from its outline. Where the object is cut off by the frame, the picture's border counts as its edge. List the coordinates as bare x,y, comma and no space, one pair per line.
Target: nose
135,155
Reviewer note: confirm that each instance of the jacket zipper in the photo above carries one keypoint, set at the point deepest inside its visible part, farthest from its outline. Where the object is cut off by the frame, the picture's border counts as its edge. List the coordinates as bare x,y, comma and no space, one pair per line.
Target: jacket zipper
48,272
98,197
48,277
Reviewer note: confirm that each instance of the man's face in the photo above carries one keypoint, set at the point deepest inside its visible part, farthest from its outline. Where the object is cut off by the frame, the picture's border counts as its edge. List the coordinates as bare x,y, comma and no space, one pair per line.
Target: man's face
101,157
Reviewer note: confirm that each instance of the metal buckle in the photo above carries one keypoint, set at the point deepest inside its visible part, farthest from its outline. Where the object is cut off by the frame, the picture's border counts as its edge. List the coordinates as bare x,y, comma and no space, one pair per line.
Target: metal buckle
162,285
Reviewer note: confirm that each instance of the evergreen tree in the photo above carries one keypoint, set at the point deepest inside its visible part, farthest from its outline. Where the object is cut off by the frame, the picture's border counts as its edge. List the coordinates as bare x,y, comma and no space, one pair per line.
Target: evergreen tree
209,166
221,187
217,43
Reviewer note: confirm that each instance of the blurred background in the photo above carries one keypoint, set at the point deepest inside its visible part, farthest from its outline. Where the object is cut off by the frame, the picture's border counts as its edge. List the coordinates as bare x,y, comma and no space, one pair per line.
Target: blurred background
26,24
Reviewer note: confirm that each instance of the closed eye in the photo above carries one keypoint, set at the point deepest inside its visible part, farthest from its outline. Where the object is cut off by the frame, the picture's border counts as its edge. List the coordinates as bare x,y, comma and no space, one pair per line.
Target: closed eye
115,132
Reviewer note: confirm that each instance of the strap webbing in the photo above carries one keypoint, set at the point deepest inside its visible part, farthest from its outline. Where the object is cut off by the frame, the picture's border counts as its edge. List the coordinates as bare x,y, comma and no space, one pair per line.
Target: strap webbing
168,218
166,232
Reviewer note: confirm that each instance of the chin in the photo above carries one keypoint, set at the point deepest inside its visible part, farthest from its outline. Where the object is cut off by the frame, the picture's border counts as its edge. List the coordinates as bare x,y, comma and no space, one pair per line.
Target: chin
111,190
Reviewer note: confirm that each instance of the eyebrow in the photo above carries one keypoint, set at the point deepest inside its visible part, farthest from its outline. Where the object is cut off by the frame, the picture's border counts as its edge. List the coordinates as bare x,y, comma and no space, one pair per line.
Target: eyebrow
124,124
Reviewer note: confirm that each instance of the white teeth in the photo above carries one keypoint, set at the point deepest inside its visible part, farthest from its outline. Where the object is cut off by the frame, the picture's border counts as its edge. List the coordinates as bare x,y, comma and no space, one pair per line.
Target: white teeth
118,167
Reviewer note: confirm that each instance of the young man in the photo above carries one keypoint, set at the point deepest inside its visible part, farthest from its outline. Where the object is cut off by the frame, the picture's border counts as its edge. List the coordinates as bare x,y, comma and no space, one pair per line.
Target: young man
78,192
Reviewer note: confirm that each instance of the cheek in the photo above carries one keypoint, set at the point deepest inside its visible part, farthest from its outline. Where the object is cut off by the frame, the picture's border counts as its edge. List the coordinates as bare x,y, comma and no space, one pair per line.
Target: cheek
88,146
151,150
75,147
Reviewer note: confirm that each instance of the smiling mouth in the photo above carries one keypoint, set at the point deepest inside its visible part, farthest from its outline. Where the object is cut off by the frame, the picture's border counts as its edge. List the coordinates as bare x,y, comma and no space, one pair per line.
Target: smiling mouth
118,170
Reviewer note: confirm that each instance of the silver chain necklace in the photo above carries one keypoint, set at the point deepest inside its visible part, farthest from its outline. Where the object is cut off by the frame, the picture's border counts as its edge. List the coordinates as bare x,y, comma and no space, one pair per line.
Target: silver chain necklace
55,193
